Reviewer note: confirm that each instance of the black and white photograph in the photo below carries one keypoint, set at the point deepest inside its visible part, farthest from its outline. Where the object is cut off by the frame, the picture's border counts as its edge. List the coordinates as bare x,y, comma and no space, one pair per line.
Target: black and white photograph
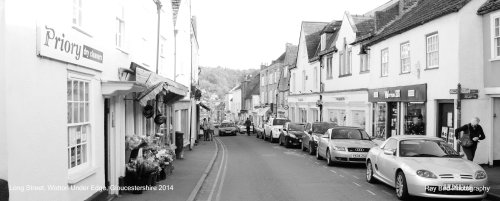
238,100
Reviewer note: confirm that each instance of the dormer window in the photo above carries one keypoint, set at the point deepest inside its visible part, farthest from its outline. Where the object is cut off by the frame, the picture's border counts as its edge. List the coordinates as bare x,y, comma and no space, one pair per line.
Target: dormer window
323,41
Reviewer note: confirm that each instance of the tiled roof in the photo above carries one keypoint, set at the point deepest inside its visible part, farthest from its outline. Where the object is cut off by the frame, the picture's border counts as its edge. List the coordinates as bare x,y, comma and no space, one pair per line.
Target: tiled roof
291,54
364,24
489,6
175,8
332,26
423,12
312,31
384,17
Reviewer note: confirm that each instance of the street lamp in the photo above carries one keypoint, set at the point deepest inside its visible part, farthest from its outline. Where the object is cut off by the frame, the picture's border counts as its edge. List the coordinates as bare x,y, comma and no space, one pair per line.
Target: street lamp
158,8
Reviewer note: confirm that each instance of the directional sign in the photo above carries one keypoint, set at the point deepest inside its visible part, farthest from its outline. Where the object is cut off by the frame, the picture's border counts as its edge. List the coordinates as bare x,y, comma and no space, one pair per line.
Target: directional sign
470,96
474,91
465,91
453,91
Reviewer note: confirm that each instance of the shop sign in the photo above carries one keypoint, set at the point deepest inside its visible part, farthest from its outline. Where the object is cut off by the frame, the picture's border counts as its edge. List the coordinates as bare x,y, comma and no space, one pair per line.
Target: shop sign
67,45
411,93
340,98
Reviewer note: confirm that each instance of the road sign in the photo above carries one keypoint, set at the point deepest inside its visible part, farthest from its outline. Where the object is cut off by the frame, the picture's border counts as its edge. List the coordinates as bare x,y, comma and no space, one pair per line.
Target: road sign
464,91
470,96
474,91
453,91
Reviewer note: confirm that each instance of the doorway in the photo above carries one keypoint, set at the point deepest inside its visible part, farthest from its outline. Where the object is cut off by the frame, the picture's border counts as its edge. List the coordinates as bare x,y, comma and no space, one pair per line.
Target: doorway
107,128
393,123
446,116
496,130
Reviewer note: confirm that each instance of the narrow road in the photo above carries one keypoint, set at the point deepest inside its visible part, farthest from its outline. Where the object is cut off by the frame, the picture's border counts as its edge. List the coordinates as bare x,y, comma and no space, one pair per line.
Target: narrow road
251,169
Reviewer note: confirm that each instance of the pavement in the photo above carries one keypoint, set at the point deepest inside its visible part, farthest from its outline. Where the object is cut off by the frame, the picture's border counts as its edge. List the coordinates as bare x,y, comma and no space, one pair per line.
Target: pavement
494,182
182,183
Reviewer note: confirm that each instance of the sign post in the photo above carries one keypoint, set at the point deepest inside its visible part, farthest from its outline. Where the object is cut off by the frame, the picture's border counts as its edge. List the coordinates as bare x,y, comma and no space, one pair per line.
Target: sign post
459,110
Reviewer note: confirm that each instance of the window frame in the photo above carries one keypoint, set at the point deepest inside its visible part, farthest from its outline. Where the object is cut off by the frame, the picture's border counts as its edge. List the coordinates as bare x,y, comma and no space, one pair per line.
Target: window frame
385,50
402,59
427,53
75,172
364,62
495,53
329,67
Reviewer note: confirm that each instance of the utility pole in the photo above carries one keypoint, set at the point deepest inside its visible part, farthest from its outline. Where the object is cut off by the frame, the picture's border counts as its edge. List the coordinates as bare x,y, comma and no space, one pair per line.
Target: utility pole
158,8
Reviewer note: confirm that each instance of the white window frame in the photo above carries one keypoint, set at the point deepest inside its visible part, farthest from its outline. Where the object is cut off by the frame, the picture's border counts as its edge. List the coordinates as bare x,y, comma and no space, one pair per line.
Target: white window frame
285,71
329,67
405,61
78,13
79,172
384,62
495,37
348,69
315,77
432,49
120,27
341,63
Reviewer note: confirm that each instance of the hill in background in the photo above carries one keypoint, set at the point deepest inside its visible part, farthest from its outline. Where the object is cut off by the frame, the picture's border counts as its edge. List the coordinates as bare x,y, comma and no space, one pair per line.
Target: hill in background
220,80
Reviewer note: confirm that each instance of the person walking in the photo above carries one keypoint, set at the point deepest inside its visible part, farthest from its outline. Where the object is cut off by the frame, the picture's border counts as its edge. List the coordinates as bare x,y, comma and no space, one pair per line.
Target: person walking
248,123
211,129
205,129
472,133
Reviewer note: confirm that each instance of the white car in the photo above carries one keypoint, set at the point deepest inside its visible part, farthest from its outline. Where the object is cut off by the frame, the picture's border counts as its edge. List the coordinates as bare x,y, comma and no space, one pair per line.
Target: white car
273,127
426,167
344,144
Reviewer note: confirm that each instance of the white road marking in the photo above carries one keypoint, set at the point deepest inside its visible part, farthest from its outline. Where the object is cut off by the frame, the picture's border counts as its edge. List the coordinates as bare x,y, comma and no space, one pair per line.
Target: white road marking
371,192
217,198
316,163
356,184
333,171
325,166
386,192
219,171
341,175
355,177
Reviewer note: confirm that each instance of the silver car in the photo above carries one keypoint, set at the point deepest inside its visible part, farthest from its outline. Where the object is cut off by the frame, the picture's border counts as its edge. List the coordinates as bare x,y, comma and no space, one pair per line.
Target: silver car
344,144
427,167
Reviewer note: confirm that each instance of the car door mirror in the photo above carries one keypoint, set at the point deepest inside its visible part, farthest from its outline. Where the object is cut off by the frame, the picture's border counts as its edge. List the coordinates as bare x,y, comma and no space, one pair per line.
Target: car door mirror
389,152
310,132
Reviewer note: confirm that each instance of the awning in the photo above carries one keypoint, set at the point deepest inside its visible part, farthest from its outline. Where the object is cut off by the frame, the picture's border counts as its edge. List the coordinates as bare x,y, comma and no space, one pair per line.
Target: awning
157,84
263,111
117,88
204,106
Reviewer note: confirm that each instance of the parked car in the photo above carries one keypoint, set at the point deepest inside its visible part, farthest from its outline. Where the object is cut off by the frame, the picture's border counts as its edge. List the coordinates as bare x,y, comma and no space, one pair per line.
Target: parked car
259,132
227,128
272,128
425,166
291,134
312,133
344,144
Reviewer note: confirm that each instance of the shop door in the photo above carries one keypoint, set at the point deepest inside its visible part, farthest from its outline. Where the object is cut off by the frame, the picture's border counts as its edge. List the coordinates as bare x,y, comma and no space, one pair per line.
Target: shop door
393,123
107,128
496,129
445,121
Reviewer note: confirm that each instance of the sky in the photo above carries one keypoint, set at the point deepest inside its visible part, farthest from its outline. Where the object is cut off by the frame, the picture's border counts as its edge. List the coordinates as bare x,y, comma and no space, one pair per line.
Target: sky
243,34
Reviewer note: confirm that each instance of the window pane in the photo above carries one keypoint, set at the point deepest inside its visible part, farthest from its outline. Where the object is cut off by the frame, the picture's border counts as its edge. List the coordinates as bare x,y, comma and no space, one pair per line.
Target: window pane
75,91
70,97
70,112
84,153
69,158
497,22
85,130
73,156
82,112
87,111
86,91
78,155
75,112
81,90
71,136
78,137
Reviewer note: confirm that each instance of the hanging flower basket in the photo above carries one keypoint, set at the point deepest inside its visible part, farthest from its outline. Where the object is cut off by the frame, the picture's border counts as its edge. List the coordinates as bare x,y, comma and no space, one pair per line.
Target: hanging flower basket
148,111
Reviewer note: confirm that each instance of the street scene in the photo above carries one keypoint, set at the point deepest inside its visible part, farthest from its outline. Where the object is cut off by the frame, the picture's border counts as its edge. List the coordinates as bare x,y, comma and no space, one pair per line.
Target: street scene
262,100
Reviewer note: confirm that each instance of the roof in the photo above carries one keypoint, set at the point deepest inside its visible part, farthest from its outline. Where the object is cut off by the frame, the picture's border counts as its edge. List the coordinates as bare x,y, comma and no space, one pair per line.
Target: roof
312,31
363,24
424,11
291,54
488,7
331,38
175,8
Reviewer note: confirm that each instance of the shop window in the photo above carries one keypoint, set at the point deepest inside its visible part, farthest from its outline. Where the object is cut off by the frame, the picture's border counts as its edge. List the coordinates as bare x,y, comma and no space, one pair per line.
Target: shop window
79,126
337,116
379,120
414,122
358,118
315,115
303,115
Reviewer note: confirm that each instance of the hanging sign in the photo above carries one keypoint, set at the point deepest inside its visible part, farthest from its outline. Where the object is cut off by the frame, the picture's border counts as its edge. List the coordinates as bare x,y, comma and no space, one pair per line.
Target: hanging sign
68,45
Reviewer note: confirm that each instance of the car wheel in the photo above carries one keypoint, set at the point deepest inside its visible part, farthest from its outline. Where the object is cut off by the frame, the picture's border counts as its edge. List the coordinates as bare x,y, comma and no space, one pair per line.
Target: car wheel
369,172
310,149
287,145
401,187
329,161
302,146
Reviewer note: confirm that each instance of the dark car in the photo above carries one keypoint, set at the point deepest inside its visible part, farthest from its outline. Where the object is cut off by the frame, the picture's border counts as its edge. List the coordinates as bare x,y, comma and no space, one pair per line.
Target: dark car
312,133
291,134
227,128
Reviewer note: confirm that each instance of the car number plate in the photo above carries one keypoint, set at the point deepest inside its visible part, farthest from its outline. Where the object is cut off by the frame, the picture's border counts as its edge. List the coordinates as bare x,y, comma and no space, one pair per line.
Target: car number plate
458,186
228,131
358,156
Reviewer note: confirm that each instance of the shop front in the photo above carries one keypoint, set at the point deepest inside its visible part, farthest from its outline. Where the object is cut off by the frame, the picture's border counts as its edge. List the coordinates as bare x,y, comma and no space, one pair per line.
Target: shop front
398,110
347,108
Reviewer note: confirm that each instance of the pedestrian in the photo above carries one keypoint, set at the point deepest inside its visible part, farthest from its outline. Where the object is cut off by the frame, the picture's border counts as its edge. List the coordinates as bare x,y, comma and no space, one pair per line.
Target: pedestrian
211,129
472,133
248,123
205,128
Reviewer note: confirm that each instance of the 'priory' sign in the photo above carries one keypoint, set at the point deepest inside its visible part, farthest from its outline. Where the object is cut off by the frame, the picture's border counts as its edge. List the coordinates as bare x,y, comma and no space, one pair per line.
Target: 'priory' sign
68,46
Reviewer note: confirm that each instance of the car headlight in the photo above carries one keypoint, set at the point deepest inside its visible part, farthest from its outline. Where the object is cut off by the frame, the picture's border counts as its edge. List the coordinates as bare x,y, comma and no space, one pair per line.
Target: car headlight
426,174
339,148
292,135
480,174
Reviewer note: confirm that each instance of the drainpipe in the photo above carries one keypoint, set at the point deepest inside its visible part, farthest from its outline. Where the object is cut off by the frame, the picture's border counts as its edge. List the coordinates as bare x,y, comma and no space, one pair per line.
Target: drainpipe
158,8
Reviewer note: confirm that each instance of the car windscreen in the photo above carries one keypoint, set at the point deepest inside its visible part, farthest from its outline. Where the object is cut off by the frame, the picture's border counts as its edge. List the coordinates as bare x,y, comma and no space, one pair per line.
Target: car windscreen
227,125
296,127
280,121
426,148
352,134
322,127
